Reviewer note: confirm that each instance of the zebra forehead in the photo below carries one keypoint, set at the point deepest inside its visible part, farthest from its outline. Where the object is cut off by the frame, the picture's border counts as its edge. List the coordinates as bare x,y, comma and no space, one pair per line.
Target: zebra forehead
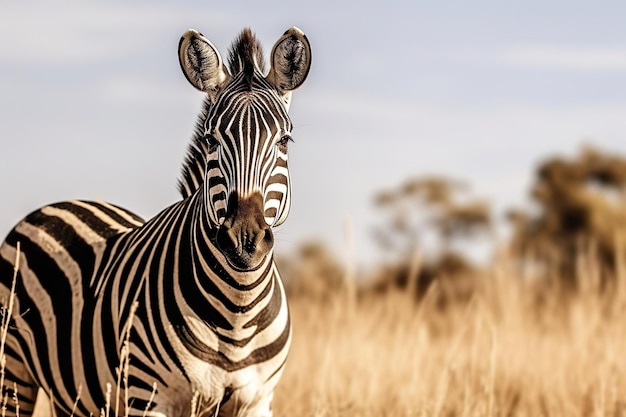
258,110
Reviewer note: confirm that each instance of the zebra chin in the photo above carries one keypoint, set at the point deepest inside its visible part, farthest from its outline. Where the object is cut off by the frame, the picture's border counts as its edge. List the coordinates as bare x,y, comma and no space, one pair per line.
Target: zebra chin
244,237
244,263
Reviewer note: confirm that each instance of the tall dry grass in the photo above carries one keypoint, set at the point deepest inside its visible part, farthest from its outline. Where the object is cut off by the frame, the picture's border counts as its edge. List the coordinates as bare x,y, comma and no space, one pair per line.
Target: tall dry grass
517,347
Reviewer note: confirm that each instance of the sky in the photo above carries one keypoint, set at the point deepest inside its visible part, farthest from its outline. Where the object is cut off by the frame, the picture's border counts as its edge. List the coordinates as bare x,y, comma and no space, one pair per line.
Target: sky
93,104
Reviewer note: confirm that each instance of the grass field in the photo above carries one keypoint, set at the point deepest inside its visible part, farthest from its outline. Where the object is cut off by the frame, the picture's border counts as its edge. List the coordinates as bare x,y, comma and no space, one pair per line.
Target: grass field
515,348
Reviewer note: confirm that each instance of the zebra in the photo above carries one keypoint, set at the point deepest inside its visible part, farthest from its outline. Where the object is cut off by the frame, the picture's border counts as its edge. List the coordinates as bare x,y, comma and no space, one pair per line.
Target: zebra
183,314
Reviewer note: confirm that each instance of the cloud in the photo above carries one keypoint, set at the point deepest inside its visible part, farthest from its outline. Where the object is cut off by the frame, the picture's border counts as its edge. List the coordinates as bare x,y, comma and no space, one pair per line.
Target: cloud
69,33
140,91
422,120
567,58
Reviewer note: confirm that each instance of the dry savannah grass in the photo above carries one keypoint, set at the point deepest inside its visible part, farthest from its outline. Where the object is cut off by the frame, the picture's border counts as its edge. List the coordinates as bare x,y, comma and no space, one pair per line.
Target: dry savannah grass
514,348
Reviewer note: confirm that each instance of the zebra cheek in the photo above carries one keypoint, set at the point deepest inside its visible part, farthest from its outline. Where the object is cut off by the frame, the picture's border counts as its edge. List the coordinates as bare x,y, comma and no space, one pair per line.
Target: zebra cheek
270,213
216,216
219,216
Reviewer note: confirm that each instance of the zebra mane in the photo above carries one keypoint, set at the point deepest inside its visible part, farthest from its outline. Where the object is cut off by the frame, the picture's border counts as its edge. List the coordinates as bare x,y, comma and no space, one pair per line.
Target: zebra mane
245,54
192,174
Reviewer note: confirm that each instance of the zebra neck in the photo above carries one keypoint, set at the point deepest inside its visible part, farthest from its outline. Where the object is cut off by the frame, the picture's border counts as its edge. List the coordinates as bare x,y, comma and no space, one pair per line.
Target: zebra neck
230,291
216,304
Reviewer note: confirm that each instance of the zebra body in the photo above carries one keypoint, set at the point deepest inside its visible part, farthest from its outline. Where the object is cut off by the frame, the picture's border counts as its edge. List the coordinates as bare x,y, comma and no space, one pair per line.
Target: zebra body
185,312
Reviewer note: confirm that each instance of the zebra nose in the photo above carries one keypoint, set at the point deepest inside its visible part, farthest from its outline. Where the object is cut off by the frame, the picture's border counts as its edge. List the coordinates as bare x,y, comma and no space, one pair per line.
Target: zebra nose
244,237
245,248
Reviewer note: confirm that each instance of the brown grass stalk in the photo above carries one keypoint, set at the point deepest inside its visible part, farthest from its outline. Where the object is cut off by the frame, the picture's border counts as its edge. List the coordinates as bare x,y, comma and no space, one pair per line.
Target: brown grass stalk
516,348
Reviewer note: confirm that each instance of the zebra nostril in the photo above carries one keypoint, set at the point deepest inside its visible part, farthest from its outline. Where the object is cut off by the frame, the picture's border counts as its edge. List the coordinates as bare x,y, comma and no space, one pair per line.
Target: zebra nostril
250,247
260,242
226,240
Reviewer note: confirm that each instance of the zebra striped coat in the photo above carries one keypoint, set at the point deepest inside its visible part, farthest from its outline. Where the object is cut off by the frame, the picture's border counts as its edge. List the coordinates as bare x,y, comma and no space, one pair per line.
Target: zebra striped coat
184,314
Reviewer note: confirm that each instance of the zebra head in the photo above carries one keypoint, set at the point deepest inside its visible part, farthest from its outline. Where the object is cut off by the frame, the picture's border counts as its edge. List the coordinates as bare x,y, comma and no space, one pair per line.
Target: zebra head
242,138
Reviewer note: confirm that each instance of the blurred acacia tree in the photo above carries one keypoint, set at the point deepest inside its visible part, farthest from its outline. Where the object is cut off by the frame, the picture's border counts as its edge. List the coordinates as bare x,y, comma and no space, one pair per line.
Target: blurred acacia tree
422,222
580,210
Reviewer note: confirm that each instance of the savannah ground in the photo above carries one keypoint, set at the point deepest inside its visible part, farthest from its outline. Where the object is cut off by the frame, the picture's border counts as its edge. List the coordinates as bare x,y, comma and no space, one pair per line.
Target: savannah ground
513,347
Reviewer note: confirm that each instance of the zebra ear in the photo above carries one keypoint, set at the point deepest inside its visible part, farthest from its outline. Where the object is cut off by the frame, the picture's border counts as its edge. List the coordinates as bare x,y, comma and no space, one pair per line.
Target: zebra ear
290,62
201,63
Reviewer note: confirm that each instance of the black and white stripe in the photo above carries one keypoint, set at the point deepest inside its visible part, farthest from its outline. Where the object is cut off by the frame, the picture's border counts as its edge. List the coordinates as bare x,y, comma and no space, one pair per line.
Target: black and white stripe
195,289
249,160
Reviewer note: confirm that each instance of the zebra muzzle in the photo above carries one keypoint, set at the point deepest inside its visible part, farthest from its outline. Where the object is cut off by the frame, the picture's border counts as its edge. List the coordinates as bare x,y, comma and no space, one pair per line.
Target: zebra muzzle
244,237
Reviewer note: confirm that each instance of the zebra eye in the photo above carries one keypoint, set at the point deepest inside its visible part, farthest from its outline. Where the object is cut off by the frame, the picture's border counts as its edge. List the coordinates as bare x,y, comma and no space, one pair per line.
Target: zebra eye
284,141
211,141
